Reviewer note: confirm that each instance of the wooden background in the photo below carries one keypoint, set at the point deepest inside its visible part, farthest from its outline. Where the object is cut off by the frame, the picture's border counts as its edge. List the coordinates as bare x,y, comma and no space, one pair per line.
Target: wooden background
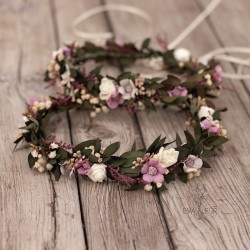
210,212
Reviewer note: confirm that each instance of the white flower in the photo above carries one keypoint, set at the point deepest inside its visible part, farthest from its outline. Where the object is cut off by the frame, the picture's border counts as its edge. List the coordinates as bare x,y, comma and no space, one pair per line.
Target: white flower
148,187
127,89
67,79
49,166
25,118
42,161
182,55
54,145
167,157
34,153
206,112
192,164
107,88
98,172
48,104
52,154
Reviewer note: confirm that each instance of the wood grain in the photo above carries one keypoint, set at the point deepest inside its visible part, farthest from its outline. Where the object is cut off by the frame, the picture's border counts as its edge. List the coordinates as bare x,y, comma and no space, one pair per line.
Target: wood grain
107,208
36,212
210,212
191,220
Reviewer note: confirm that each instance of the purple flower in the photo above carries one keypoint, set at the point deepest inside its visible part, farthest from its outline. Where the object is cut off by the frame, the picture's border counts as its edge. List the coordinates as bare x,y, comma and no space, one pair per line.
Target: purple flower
67,51
211,126
153,172
83,167
115,100
178,91
218,74
32,100
127,89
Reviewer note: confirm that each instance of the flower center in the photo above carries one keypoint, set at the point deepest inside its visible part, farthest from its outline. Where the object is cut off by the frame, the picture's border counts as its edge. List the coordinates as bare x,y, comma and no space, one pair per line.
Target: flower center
189,163
152,170
128,88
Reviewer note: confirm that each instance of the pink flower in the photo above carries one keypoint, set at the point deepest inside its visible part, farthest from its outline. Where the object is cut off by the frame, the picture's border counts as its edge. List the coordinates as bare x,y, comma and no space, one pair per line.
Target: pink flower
217,76
178,91
32,101
153,172
83,167
67,51
127,89
115,100
211,126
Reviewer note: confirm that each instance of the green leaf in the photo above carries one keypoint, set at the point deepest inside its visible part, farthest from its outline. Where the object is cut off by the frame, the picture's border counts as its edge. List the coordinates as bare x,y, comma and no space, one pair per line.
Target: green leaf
134,146
207,153
18,140
183,177
145,43
155,85
31,160
111,149
169,99
97,70
92,158
189,84
33,138
153,145
98,145
34,120
197,132
133,154
116,161
189,137
84,144
148,104
173,80
205,165
215,140
184,151
178,140
57,172
169,177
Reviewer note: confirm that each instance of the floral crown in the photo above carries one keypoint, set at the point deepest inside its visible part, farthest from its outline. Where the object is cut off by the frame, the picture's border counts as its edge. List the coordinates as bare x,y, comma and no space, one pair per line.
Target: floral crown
189,86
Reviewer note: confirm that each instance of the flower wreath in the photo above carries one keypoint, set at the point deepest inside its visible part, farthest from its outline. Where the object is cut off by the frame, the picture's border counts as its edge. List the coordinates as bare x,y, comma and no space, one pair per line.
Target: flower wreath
91,91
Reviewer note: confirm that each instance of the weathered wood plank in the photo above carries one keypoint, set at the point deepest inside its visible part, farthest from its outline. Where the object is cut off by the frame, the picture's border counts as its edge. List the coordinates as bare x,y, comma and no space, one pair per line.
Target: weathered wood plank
36,212
107,209
189,208
230,22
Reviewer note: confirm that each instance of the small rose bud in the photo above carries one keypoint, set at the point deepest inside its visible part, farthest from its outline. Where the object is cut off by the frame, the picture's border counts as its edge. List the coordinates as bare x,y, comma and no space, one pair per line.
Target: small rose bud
52,154
41,169
148,187
49,166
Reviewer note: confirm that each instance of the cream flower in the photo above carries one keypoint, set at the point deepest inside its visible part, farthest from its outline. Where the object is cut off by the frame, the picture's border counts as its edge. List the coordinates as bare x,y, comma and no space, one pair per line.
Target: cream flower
167,157
98,172
192,164
54,145
206,112
49,166
127,89
34,153
52,154
182,55
107,88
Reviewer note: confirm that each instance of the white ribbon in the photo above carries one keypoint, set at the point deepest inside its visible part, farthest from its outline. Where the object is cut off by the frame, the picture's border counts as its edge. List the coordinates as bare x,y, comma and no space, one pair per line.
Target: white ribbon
220,53
107,7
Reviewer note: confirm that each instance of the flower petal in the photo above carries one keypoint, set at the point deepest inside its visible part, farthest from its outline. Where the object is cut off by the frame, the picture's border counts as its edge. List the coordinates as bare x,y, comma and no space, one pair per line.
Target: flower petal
158,178
148,178
144,169
197,163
